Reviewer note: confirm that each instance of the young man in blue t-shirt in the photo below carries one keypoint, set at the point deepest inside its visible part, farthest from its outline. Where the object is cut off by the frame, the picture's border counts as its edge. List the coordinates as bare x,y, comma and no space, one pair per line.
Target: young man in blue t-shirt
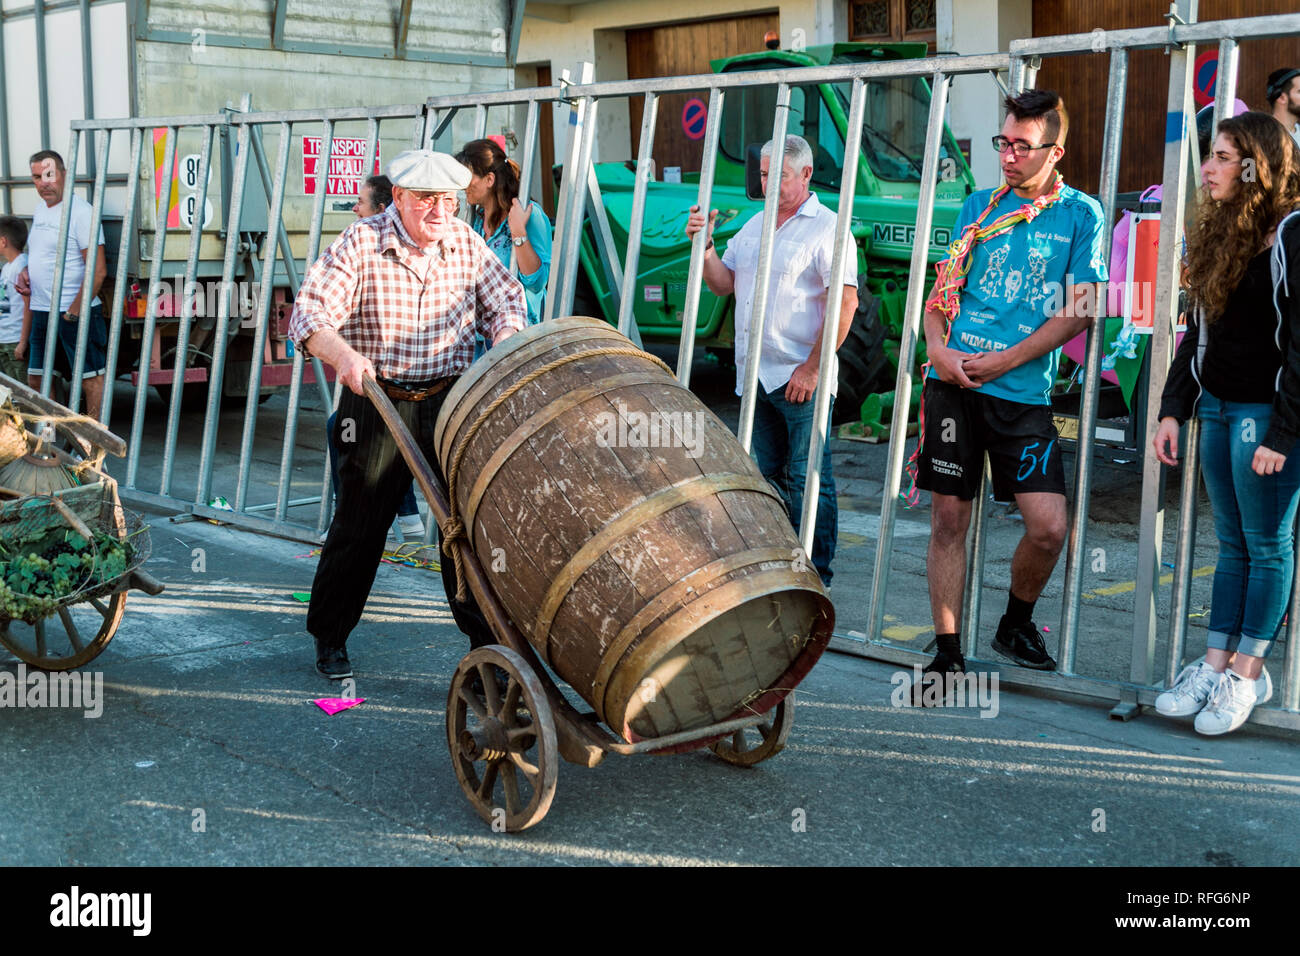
1021,280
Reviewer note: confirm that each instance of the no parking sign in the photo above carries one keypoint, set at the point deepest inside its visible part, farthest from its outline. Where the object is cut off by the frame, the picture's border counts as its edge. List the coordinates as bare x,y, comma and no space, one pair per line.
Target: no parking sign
1205,73
694,118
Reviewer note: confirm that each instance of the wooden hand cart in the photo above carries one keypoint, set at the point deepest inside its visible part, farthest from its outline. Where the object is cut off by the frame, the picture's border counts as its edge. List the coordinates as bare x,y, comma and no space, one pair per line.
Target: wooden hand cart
80,627
508,722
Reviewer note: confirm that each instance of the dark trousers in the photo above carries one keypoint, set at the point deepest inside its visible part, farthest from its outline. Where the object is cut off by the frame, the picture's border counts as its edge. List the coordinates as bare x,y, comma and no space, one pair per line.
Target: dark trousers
372,479
408,505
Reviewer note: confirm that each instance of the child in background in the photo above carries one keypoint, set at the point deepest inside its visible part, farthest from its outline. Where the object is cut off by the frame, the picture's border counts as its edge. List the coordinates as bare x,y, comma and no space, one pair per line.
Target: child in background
15,309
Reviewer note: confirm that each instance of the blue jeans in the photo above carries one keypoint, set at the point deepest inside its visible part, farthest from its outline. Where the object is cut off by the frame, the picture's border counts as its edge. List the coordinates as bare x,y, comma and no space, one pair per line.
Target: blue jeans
1254,517
407,507
782,430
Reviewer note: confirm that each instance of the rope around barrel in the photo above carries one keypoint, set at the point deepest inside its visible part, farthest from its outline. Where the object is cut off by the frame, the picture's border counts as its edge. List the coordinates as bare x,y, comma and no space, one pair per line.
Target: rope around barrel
455,529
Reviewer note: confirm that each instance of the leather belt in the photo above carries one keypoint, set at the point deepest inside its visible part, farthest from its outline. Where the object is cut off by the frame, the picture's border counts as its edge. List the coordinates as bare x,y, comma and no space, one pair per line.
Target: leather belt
398,393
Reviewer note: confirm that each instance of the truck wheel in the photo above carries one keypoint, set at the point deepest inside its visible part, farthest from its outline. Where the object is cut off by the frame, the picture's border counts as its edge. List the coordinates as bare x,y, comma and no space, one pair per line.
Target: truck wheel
864,365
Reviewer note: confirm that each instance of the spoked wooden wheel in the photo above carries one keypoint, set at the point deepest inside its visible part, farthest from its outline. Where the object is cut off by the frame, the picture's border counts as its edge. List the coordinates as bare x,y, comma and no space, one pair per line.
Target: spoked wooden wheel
752,745
67,638
501,734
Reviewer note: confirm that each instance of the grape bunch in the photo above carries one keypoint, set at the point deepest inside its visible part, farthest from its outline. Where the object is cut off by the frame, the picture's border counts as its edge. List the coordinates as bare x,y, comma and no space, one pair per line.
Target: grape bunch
39,572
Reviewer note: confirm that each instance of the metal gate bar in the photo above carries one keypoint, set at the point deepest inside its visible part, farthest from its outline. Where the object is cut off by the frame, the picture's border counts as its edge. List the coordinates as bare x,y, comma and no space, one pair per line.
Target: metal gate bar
92,262
119,282
1159,352
912,316
763,273
56,281
704,200
1076,546
644,173
158,249
189,309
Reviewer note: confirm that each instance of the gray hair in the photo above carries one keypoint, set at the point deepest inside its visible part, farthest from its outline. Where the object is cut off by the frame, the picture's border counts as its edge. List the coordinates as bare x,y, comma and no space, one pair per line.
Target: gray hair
797,151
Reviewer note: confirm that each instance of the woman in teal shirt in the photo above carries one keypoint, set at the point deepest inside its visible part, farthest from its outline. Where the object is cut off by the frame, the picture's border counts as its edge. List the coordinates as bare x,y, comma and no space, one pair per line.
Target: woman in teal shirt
505,223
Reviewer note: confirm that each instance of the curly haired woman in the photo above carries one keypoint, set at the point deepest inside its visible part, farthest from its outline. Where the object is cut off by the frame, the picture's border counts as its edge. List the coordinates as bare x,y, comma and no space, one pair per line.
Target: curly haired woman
1241,356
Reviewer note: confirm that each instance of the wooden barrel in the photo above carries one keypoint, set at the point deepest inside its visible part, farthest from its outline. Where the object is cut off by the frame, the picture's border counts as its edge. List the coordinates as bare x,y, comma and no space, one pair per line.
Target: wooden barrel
627,533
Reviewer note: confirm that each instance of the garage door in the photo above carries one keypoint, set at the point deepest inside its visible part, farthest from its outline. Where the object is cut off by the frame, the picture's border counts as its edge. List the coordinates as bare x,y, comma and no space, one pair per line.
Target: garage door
679,50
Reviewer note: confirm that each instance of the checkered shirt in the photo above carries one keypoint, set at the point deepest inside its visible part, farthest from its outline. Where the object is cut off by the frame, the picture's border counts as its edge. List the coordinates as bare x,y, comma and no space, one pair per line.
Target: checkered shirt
413,324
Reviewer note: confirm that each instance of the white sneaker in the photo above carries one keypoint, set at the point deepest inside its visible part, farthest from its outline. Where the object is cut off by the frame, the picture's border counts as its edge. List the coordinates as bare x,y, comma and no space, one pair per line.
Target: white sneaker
411,526
1229,705
1190,692
1263,683
1263,687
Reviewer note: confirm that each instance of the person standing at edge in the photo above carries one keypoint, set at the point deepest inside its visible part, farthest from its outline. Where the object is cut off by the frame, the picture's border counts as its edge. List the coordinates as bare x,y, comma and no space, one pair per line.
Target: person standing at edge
15,327
399,297
1283,95
1238,366
791,349
993,343
49,177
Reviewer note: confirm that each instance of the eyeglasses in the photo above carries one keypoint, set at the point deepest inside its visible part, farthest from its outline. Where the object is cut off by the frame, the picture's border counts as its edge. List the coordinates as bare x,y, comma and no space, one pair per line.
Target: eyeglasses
1001,143
424,197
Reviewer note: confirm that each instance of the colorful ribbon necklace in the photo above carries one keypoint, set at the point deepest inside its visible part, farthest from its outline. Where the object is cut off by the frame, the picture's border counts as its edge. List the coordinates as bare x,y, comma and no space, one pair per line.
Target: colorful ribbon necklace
945,297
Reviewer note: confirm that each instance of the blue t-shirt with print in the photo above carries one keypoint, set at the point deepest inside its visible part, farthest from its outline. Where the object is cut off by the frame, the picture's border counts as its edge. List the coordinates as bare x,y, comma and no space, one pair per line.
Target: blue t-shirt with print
1018,280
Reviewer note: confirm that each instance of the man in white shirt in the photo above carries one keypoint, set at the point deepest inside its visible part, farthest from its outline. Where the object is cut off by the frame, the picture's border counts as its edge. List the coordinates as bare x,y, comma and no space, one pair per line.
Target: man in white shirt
792,337
1283,95
48,176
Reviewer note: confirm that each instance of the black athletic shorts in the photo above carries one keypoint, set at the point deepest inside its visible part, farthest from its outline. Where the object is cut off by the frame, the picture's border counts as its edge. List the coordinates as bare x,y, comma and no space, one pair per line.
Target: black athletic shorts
961,424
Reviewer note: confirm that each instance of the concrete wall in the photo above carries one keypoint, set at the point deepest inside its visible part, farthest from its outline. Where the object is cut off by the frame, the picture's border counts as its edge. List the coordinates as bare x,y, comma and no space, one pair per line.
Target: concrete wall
975,112
813,21
563,36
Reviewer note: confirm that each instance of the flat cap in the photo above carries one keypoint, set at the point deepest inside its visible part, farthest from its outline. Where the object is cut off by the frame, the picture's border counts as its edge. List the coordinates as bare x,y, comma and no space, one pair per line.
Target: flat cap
425,169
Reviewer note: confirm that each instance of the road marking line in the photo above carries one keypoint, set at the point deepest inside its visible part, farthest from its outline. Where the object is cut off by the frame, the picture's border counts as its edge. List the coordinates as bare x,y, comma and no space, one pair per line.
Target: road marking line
1132,585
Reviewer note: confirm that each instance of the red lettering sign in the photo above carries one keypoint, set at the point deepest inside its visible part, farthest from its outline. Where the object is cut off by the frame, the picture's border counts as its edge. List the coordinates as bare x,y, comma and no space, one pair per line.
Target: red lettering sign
347,165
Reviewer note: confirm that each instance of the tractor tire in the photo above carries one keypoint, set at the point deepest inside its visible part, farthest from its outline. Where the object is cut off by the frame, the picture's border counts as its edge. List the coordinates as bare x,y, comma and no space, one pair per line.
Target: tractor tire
864,364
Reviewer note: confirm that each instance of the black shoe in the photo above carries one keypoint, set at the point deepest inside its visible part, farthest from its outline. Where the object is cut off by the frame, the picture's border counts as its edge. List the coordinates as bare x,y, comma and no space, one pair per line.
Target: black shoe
1023,644
332,662
941,665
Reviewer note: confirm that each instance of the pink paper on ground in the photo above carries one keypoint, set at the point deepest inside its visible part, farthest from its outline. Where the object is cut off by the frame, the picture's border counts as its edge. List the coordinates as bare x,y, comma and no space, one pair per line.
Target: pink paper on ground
332,705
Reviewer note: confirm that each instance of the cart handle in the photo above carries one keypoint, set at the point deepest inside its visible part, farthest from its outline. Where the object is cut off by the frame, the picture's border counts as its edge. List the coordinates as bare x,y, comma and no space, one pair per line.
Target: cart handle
83,427
502,626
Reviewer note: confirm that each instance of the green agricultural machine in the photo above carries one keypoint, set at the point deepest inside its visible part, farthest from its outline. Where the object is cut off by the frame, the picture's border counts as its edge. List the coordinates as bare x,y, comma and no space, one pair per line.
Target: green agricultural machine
889,178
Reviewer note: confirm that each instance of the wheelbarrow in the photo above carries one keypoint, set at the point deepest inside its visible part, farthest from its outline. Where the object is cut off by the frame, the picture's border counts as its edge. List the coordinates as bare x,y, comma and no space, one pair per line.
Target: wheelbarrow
508,722
64,633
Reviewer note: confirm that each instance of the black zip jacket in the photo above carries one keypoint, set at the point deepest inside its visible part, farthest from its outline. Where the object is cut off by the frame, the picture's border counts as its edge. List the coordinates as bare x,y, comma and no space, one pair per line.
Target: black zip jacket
1280,361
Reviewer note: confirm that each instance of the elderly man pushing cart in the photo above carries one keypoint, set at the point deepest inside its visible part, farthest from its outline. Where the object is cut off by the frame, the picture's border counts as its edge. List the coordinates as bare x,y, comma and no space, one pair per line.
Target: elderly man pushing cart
398,297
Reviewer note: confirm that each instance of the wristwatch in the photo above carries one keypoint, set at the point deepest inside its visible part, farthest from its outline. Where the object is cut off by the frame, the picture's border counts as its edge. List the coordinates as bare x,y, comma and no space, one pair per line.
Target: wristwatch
518,240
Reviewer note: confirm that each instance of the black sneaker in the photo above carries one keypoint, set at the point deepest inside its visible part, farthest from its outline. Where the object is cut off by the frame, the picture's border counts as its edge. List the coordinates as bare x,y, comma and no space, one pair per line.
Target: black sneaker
941,665
332,662
1023,644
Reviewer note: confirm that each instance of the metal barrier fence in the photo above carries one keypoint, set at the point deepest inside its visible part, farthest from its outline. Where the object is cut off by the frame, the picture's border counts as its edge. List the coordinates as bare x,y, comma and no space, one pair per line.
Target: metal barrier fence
242,261
580,200
1179,39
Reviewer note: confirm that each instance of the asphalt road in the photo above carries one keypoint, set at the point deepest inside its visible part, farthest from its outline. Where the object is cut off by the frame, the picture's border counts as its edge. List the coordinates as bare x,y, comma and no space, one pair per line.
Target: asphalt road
209,750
